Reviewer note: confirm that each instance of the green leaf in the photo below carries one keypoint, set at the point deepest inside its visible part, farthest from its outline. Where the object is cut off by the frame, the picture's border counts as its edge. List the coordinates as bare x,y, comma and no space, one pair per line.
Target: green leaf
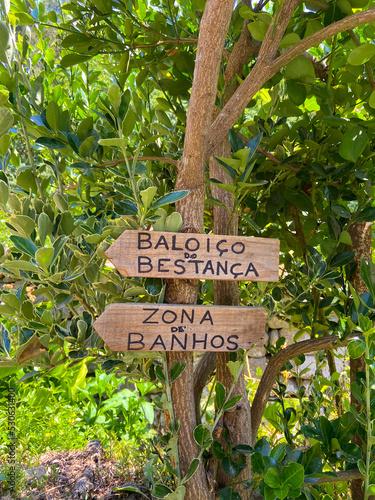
173,223
176,371
11,300
333,14
6,309
160,374
243,448
356,348
4,42
360,55
73,59
221,185
4,193
296,92
24,245
178,494
115,142
25,178
160,491
58,246
153,286
301,69
368,275
345,238
60,202
293,475
341,259
366,215
5,141
220,394
341,211
300,199
44,257
6,121
129,122
288,109
281,492
129,489
230,468
202,436
234,367
272,478
134,291
171,197
192,469
217,450
51,143
361,467
23,224
231,403
229,494
20,265
258,30
45,227
114,96
67,225
353,142
228,169
289,40
148,195
53,115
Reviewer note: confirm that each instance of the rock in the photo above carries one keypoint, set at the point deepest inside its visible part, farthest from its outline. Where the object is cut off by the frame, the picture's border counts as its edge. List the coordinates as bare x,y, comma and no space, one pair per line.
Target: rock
257,352
266,340
291,385
309,364
288,334
274,337
36,472
255,363
276,323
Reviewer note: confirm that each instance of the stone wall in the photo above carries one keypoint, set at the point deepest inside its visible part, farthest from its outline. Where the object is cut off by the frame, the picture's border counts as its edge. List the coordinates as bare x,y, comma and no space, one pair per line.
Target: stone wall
276,328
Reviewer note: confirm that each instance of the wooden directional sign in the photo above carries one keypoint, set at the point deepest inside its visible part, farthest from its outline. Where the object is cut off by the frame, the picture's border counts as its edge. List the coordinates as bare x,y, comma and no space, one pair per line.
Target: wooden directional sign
204,256
170,327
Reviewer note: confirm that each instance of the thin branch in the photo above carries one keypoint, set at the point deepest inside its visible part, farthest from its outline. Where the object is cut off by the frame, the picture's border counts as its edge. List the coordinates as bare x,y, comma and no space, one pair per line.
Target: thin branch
275,364
341,476
267,65
333,29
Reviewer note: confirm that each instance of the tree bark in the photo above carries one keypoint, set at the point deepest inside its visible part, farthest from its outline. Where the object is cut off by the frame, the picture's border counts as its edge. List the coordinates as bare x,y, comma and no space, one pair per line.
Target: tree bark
236,421
213,31
268,64
361,239
275,364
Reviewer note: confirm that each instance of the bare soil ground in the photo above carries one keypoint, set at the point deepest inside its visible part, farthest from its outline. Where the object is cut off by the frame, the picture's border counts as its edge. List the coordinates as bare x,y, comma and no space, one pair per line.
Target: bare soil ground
78,475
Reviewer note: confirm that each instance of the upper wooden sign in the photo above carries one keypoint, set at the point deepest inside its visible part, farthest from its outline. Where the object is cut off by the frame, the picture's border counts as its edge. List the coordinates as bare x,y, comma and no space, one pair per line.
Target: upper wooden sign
204,256
171,327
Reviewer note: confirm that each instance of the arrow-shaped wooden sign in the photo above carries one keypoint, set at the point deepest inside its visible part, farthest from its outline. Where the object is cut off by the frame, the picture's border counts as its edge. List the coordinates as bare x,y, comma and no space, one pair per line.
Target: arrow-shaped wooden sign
204,256
171,327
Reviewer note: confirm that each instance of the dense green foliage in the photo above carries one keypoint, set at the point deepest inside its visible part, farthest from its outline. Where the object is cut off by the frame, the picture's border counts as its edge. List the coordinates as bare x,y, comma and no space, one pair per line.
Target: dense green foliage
93,106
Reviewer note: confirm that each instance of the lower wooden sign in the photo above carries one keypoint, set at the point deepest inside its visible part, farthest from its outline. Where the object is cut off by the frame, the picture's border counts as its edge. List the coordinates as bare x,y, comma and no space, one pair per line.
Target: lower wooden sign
171,327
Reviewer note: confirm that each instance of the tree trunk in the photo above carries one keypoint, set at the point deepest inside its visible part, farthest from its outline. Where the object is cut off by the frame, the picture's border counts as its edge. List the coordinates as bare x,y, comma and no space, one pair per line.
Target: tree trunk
361,239
213,31
238,420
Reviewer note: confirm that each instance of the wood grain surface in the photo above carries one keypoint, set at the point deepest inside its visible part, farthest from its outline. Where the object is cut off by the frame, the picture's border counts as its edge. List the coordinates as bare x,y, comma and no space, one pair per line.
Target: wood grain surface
204,256
171,327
